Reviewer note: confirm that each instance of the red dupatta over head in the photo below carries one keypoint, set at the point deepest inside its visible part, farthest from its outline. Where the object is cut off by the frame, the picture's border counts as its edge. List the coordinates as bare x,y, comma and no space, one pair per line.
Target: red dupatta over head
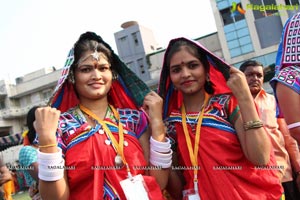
218,72
127,91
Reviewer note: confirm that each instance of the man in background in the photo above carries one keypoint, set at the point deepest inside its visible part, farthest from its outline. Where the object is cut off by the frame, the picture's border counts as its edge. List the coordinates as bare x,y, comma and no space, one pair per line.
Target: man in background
285,147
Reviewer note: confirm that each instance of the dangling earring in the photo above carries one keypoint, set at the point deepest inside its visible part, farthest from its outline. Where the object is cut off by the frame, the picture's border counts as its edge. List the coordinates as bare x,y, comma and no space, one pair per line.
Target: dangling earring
208,85
114,75
71,77
208,80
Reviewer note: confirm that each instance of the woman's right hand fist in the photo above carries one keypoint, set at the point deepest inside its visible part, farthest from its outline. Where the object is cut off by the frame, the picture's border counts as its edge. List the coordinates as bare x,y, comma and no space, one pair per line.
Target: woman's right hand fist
45,124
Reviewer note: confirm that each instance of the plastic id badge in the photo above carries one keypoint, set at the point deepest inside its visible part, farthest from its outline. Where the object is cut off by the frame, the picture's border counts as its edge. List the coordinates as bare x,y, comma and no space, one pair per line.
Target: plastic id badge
134,188
190,195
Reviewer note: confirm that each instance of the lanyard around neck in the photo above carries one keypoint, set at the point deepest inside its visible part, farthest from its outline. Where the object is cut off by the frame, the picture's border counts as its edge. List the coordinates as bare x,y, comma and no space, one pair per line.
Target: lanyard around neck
119,146
193,154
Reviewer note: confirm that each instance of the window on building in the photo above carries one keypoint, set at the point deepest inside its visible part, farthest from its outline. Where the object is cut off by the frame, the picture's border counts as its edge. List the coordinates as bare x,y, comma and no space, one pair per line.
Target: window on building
238,38
46,94
123,39
230,16
141,65
35,98
135,39
262,8
5,131
292,2
235,27
25,101
2,104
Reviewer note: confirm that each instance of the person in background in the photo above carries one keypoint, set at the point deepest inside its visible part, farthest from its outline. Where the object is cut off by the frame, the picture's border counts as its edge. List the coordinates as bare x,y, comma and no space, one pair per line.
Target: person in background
14,175
5,175
284,146
20,178
221,145
28,156
9,186
99,120
286,81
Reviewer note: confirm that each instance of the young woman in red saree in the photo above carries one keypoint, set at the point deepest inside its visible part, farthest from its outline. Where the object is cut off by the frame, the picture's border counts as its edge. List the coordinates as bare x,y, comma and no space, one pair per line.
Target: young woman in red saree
222,148
102,133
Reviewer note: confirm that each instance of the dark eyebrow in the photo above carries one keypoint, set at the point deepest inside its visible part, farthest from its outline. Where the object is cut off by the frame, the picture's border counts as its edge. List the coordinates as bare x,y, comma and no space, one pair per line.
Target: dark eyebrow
86,65
254,73
92,65
174,66
188,63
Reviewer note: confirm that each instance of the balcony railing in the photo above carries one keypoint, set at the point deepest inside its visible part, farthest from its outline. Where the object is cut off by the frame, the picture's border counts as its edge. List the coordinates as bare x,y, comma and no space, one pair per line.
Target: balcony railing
17,112
13,113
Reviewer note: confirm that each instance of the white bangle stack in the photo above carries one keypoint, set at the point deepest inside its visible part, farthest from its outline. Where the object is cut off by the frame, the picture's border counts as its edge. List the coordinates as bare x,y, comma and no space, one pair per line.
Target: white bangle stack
160,153
293,125
51,166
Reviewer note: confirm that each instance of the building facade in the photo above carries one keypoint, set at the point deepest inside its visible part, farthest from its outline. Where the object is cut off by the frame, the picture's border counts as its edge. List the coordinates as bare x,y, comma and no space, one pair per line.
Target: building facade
251,29
33,89
134,42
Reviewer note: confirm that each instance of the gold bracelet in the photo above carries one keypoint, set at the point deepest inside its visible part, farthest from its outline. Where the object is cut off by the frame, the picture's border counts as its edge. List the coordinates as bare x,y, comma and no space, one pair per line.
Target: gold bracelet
253,124
48,145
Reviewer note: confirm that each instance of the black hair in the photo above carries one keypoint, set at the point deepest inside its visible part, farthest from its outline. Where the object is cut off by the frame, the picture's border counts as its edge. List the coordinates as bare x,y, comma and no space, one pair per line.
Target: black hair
90,41
29,122
250,63
195,51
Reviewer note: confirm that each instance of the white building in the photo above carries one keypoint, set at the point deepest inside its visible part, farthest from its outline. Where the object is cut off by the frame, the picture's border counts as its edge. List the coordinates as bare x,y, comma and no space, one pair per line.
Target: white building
16,99
251,29
134,42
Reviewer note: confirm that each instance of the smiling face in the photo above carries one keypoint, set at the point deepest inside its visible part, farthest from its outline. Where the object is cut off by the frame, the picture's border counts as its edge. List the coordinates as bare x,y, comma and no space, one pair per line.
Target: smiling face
187,72
255,78
93,78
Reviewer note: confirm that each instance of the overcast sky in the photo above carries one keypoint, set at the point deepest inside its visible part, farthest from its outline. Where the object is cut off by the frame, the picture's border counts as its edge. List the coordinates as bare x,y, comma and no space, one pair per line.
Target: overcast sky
39,33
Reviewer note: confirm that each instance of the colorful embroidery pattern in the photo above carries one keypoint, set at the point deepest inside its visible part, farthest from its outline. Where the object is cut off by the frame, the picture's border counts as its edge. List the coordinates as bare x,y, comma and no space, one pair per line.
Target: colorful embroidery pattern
73,128
292,42
215,116
289,76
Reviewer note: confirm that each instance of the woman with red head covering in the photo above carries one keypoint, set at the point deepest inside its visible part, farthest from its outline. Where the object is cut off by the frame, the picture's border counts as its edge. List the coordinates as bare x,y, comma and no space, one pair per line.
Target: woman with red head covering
222,148
103,136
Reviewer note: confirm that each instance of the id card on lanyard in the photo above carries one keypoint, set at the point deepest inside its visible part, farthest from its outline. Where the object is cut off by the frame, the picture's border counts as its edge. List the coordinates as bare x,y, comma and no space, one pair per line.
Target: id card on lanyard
193,194
133,187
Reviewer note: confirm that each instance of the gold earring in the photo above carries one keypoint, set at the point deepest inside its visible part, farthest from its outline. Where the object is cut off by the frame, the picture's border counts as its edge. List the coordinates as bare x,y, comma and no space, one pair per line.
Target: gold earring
71,77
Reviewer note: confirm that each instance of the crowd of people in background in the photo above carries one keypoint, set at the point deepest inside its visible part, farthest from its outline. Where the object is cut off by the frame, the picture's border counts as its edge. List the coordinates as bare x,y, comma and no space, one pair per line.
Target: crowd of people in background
12,181
210,131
